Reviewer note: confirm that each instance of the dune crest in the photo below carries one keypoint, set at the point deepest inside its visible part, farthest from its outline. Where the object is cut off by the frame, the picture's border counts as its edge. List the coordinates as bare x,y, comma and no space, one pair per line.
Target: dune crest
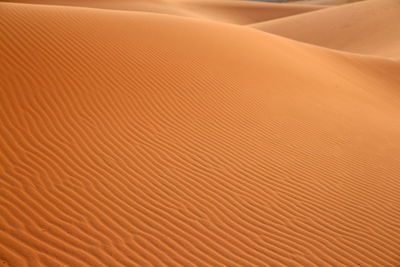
138,139
235,12
325,2
244,12
368,27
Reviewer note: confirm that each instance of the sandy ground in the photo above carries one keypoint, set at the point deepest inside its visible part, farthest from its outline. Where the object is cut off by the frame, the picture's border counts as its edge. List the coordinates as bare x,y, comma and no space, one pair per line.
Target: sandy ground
325,2
169,137
367,27
228,11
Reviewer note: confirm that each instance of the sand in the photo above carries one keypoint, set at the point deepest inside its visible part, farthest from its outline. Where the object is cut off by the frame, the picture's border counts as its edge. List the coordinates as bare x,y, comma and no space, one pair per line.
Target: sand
368,27
236,12
140,139
244,12
325,2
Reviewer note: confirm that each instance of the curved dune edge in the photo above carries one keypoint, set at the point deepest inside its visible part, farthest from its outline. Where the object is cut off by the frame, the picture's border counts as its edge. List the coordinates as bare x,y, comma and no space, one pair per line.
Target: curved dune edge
368,27
123,143
244,12
235,12
152,6
325,2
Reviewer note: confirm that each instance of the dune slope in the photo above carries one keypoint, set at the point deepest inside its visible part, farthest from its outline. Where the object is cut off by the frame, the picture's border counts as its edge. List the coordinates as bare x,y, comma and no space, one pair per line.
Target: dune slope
244,12
236,12
135,139
152,6
367,27
325,2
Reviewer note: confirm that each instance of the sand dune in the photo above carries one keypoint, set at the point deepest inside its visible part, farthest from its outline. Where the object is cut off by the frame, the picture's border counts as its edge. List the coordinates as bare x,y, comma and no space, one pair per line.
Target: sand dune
153,6
131,138
236,12
368,27
326,2
244,12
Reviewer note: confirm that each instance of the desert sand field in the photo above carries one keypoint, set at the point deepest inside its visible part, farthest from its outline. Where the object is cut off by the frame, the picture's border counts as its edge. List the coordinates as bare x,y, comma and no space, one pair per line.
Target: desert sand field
199,133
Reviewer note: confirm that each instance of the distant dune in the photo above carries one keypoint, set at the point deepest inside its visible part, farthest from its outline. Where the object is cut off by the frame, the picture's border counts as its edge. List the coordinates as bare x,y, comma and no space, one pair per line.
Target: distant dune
143,139
244,12
325,2
237,12
153,6
367,27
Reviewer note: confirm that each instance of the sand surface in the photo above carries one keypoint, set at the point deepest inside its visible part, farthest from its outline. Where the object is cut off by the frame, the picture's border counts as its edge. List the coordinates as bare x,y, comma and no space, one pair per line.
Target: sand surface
236,12
134,138
325,2
366,27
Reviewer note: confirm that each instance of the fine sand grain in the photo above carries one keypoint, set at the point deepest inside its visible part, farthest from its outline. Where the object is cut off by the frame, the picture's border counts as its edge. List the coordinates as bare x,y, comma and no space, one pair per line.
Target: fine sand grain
140,139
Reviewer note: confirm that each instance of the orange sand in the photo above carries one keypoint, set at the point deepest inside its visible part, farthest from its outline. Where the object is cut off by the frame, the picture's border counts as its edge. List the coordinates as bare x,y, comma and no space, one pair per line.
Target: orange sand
325,2
139,139
244,12
367,27
236,12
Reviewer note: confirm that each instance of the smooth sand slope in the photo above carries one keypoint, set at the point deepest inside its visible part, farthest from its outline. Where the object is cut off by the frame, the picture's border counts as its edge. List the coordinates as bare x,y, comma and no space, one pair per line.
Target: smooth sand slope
153,6
244,12
228,11
367,27
325,2
136,139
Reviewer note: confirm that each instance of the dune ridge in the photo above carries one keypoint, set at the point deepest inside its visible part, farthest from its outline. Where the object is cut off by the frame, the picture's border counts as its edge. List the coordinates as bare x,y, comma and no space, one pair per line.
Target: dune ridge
123,144
325,2
236,12
244,12
367,27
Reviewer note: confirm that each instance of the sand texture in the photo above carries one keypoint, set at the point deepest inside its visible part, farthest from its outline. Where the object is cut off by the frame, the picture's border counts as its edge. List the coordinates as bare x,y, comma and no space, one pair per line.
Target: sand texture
235,12
135,138
367,27
325,2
